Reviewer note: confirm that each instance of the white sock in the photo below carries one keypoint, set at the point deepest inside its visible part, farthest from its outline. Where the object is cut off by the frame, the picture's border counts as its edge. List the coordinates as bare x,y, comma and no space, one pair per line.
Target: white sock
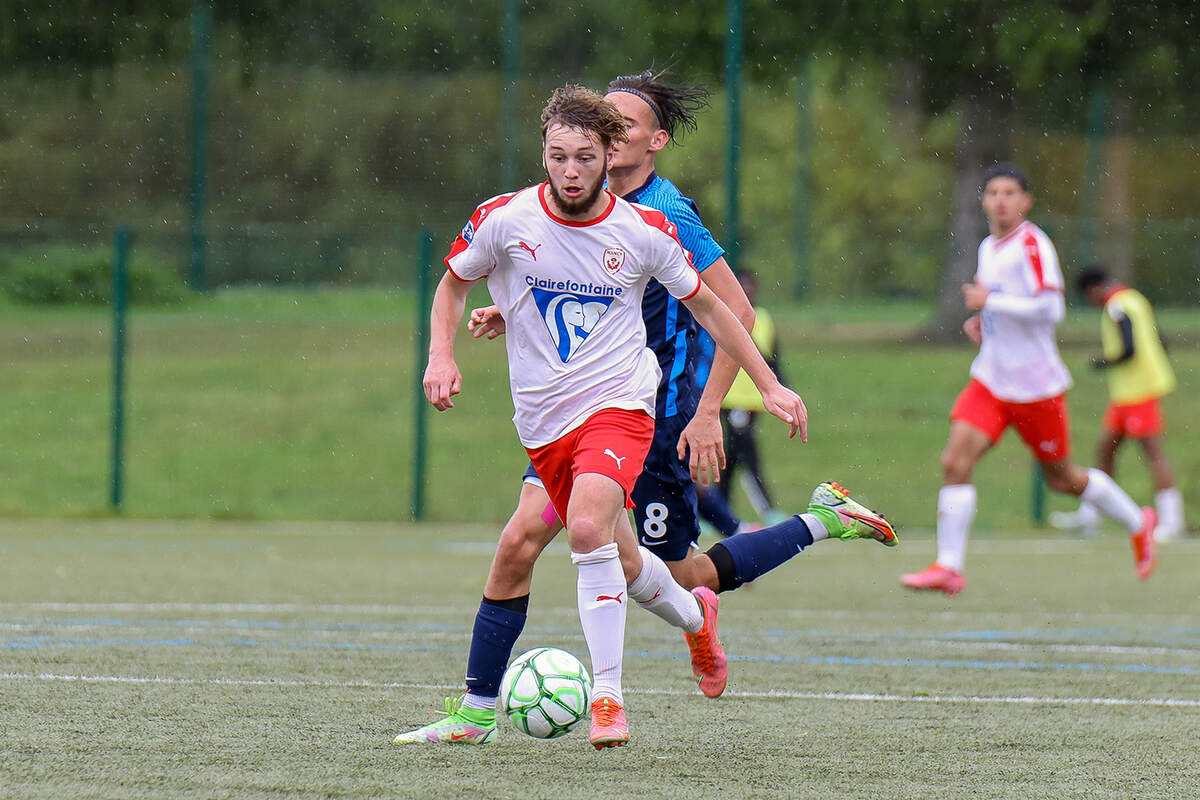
1103,492
656,591
815,526
956,509
1169,503
602,598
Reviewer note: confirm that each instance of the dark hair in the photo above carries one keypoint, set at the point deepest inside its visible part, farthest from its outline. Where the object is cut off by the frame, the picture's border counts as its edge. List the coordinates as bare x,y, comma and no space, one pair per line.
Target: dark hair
1005,169
581,108
1092,275
674,105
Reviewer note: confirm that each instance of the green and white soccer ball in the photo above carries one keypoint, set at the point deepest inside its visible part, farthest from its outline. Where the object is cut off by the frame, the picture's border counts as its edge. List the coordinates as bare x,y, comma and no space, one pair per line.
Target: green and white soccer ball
545,692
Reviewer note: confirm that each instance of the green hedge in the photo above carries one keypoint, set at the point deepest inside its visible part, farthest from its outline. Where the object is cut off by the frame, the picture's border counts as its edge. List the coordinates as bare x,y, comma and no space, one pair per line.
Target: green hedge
70,276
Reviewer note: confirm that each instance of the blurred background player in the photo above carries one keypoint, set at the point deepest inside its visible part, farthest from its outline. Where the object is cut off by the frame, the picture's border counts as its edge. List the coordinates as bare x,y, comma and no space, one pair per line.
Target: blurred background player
686,424
1019,380
1139,376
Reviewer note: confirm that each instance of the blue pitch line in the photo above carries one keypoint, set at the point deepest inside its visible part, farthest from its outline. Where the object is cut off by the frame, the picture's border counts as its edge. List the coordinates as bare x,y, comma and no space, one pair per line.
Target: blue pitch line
1101,635
42,642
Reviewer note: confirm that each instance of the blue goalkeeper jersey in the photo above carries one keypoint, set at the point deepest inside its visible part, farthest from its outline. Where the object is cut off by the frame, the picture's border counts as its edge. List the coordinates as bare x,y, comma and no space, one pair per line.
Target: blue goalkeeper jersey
671,330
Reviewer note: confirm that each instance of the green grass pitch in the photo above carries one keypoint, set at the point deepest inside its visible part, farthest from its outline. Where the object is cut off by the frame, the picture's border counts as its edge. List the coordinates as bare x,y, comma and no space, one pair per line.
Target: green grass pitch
270,659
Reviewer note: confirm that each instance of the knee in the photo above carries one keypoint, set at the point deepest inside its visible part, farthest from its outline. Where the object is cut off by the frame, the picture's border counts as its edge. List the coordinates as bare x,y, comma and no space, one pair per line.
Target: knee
585,533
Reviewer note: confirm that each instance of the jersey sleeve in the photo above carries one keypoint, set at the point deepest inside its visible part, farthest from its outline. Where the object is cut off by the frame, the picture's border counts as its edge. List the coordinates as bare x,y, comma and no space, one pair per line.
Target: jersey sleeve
1046,305
1042,260
694,237
473,255
670,264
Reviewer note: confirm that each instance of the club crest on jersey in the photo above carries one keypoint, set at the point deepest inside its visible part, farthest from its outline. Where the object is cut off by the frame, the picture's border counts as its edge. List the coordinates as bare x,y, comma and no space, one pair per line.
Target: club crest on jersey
570,317
614,259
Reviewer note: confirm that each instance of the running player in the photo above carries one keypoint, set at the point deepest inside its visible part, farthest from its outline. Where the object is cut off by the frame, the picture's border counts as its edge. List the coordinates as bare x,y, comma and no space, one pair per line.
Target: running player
1139,376
1017,379
665,495
567,263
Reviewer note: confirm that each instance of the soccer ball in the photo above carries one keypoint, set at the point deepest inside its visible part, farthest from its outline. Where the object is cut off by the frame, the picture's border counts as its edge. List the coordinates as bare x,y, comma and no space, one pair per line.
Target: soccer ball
544,692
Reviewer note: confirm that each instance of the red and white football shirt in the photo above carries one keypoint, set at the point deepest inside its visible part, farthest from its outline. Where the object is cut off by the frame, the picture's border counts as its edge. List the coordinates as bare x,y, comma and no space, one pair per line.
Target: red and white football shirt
571,296
1018,359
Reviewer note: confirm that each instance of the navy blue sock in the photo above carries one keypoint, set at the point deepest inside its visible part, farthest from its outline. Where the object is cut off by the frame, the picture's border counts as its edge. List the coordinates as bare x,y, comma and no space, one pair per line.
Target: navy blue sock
715,509
755,554
498,625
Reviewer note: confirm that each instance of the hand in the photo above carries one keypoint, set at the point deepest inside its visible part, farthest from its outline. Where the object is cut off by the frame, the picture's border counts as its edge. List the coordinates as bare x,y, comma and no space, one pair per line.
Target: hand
487,321
442,381
975,295
1099,362
703,437
973,328
787,405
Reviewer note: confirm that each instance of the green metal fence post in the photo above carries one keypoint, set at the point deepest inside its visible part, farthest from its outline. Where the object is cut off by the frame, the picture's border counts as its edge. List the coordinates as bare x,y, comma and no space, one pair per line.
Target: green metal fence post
733,74
1093,165
420,425
121,244
197,190
803,203
1039,495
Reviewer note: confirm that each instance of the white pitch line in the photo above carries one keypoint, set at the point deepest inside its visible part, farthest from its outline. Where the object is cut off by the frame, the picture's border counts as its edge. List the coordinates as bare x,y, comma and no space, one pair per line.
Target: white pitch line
226,608
773,694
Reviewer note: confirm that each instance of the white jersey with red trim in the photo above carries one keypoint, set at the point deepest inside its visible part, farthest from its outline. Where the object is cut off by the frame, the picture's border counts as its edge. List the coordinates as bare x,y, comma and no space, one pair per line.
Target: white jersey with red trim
571,296
1018,359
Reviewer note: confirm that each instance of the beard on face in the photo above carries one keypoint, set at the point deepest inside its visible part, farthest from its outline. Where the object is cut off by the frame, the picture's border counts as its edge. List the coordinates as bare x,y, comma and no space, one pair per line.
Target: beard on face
580,204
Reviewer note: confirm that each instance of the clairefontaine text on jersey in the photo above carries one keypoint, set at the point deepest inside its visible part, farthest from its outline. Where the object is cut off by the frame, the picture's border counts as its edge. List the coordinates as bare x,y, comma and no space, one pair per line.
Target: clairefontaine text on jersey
573,286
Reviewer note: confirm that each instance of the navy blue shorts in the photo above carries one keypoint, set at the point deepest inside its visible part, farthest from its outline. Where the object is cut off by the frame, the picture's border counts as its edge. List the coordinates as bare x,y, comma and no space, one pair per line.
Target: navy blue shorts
665,516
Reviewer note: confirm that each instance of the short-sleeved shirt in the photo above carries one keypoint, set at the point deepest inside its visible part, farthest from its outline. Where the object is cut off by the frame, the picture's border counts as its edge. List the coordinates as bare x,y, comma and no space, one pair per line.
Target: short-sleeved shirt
1018,359
670,328
571,295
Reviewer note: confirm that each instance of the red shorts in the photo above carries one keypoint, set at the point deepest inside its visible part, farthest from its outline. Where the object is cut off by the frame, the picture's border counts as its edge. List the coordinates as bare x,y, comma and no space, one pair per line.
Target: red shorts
1135,420
1042,424
611,442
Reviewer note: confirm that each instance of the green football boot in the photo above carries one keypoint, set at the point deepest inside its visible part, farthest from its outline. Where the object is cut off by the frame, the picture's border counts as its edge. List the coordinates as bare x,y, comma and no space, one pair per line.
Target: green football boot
462,725
846,519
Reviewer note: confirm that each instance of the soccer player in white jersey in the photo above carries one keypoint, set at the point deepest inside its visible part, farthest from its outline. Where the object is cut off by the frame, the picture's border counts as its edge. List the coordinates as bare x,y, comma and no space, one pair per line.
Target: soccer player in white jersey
1017,379
567,263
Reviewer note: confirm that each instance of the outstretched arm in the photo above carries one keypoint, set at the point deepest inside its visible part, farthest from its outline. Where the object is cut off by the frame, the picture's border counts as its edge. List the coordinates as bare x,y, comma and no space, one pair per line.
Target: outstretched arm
729,334
1047,305
442,378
